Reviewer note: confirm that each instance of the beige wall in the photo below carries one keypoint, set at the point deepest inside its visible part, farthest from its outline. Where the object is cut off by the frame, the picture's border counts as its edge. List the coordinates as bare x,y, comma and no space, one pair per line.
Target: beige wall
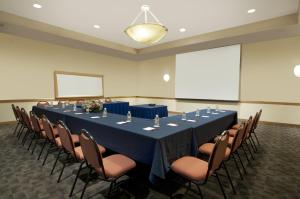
27,66
267,71
150,77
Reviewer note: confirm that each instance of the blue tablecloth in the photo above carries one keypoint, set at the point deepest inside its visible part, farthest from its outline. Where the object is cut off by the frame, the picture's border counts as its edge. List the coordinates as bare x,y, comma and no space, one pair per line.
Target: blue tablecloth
157,148
148,112
117,107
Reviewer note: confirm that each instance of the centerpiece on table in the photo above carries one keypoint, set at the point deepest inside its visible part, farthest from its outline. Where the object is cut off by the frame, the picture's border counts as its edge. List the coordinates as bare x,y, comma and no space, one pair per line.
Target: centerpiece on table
94,106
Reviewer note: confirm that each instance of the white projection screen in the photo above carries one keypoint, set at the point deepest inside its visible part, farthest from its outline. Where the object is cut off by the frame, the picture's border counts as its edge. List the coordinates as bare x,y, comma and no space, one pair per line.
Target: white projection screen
212,74
77,85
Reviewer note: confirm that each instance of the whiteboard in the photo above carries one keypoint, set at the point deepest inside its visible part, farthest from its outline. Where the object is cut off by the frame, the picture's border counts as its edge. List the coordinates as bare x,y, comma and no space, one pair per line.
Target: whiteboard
74,85
212,74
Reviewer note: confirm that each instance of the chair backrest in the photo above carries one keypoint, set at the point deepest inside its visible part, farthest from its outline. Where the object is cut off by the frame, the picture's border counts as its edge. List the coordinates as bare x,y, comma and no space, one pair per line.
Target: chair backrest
238,139
18,110
218,153
247,132
91,151
26,119
42,103
65,137
257,119
35,122
15,112
48,128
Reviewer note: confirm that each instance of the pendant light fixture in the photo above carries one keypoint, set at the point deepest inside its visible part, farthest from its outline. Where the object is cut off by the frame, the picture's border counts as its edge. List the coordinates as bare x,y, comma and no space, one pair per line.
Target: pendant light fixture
147,32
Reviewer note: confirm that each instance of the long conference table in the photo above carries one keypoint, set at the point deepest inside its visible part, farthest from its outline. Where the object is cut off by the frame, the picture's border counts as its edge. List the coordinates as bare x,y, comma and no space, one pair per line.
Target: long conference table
157,148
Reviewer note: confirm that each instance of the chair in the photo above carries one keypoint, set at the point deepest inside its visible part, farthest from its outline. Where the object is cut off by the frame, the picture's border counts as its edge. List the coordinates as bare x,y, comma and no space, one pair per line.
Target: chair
52,138
38,129
16,117
231,151
197,171
255,126
21,121
108,169
28,126
73,152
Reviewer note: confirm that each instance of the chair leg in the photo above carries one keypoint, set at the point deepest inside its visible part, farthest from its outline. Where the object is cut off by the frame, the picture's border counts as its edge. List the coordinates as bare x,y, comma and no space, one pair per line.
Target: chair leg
62,170
42,149
239,157
86,184
25,137
188,188
54,165
20,131
256,138
199,190
33,138
35,144
245,153
221,186
229,178
16,128
249,149
77,175
112,185
237,166
48,151
251,138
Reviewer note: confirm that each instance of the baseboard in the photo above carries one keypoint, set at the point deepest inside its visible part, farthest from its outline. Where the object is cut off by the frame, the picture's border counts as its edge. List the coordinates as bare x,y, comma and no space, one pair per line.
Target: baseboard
8,122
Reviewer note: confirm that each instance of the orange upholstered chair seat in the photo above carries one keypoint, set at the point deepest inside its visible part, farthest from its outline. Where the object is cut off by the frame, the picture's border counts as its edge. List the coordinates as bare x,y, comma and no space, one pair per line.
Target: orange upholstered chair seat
116,165
236,126
191,168
232,132
207,149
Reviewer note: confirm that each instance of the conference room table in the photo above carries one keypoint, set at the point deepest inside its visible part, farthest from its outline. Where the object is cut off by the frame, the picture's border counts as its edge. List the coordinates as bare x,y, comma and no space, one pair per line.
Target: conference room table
117,107
148,111
158,147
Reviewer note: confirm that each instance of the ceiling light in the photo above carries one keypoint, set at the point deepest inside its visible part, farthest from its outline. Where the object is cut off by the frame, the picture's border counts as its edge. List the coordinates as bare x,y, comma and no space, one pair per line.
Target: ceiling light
297,71
251,11
37,5
146,32
182,30
96,26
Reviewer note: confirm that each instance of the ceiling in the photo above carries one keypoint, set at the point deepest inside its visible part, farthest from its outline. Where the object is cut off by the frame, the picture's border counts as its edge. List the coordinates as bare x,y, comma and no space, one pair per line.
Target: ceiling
113,16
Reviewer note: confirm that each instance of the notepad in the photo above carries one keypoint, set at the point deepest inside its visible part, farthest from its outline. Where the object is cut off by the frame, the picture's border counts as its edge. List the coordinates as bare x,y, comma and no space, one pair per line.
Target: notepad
67,111
191,120
172,124
214,113
78,113
205,116
222,111
122,122
149,128
95,117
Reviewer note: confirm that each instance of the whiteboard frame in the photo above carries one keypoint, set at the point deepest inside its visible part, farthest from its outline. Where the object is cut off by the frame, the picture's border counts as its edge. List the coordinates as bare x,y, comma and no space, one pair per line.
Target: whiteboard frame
75,74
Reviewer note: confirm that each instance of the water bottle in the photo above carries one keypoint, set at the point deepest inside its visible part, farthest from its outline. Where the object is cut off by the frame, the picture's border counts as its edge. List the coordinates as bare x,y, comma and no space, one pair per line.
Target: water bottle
217,108
51,104
156,121
129,116
183,116
63,105
104,113
74,107
208,110
197,113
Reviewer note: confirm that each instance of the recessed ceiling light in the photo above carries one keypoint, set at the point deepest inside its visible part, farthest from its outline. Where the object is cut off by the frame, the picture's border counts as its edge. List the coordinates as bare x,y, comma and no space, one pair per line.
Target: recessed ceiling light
37,5
182,30
96,26
251,11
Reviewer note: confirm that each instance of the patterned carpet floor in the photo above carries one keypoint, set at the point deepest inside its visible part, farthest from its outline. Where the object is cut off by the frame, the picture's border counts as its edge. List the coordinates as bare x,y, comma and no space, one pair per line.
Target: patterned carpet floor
275,173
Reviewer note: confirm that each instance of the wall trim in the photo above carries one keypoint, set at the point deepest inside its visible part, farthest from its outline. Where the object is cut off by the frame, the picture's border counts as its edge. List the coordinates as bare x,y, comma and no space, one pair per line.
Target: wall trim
165,98
8,122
